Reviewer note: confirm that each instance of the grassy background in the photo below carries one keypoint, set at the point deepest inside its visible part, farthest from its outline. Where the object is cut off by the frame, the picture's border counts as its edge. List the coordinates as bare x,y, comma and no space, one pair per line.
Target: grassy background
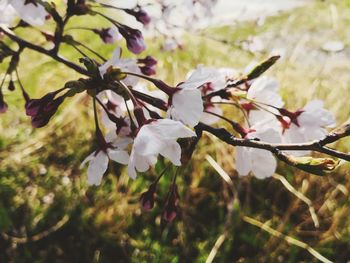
43,193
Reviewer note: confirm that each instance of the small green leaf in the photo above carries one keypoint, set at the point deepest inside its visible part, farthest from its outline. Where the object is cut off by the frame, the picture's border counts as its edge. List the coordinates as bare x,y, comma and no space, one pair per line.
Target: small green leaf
317,166
262,67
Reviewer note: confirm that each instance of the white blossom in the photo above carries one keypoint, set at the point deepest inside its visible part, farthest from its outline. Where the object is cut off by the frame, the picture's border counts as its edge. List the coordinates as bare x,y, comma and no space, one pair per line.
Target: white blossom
157,137
310,125
187,103
98,160
265,91
261,163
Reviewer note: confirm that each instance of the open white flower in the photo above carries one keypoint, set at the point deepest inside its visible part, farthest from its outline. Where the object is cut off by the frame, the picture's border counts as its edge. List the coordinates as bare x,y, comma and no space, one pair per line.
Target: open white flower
264,90
31,12
98,160
157,137
187,104
127,65
310,125
261,163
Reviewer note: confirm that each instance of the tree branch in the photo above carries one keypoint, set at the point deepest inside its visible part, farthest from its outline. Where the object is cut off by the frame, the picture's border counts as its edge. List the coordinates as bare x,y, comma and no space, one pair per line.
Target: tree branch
25,44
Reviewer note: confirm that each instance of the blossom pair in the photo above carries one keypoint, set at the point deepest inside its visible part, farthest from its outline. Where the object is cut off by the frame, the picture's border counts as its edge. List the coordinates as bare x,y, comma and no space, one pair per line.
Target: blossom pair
273,124
154,138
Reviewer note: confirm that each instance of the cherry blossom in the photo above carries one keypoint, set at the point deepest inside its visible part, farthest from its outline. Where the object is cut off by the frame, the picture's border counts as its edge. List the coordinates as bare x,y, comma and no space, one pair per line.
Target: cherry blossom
186,103
157,137
263,90
260,163
134,39
98,160
309,124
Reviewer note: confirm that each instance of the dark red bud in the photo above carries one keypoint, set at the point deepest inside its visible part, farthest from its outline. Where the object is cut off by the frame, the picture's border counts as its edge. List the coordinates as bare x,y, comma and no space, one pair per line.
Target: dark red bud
3,104
11,86
148,61
140,15
134,39
148,71
33,106
147,198
171,207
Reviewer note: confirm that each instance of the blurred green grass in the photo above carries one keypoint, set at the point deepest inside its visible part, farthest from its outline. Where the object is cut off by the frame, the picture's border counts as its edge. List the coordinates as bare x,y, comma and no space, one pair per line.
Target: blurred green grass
41,185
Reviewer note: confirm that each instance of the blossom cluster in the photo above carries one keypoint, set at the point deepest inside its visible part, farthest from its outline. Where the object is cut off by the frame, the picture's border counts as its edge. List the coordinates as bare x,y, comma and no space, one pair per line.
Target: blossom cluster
139,117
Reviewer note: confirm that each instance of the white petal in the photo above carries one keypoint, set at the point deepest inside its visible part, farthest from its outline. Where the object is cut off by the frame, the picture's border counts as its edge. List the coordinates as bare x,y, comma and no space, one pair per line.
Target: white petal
118,156
187,106
87,159
7,14
265,90
243,161
170,129
266,133
97,167
199,77
263,163
257,117
172,152
34,15
210,119
315,114
141,163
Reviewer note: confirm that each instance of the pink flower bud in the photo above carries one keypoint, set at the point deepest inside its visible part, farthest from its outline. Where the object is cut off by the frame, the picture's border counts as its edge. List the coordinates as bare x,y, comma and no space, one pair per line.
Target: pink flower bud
147,198
134,39
3,104
11,86
33,106
140,15
44,115
171,207
147,66
148,71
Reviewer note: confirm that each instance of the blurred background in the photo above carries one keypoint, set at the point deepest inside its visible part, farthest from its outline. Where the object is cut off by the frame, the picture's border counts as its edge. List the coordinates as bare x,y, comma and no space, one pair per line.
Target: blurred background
48,213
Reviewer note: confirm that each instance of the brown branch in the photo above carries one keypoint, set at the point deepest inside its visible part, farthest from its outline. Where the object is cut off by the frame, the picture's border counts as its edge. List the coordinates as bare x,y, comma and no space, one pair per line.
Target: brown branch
277,149
25,44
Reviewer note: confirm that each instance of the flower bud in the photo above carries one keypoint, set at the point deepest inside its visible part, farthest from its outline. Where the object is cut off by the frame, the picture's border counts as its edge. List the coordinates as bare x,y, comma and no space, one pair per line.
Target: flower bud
3,104
134,39
171,207
33,106
147,66
140,15
148,61
148,71
11,86
147,198
317,166
108,35
44,115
